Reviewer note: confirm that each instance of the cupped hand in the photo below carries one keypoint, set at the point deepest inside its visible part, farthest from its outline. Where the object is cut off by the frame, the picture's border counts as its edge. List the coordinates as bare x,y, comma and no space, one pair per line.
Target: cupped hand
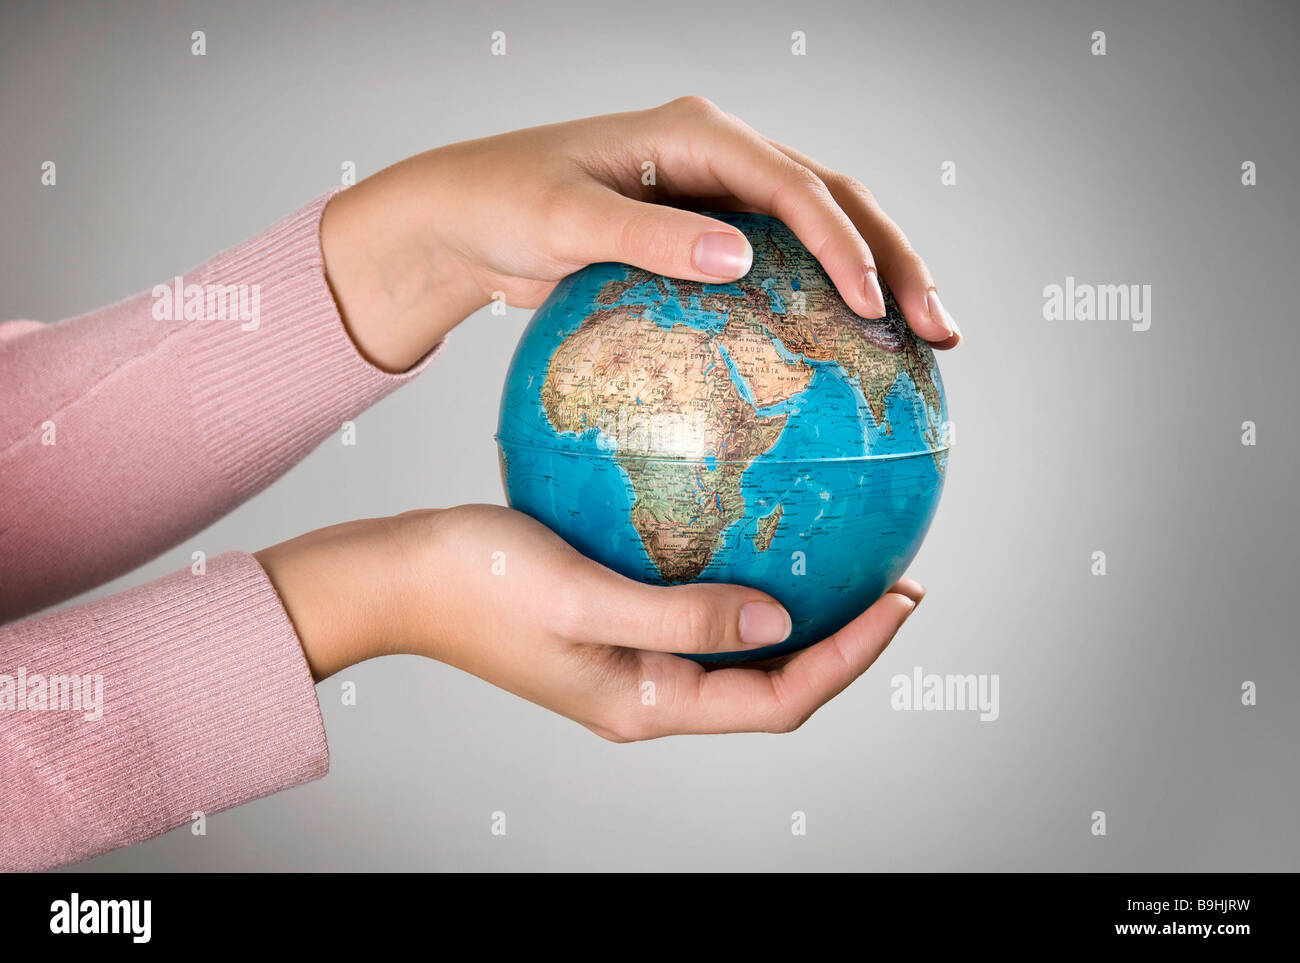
413,250
497,594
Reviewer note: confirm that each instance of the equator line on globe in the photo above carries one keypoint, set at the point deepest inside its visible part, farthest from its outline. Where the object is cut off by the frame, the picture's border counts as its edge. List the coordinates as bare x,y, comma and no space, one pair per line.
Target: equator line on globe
757,432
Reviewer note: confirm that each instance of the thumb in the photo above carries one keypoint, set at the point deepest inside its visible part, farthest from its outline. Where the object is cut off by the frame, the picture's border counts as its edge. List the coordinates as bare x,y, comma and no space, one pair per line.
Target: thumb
694,618
665,240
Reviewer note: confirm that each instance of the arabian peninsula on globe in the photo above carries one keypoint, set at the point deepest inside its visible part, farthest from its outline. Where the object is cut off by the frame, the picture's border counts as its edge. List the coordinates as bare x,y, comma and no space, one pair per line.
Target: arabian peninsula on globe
759,432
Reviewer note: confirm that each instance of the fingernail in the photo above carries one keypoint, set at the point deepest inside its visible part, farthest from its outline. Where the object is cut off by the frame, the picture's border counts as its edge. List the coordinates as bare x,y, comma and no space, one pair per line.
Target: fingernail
723,255
939,314
875,297
763,623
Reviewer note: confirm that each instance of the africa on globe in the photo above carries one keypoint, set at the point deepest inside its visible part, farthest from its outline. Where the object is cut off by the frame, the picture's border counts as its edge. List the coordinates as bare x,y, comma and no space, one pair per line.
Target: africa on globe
759,432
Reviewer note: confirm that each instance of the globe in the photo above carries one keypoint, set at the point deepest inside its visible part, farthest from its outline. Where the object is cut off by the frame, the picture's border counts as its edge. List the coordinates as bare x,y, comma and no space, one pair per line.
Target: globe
758,433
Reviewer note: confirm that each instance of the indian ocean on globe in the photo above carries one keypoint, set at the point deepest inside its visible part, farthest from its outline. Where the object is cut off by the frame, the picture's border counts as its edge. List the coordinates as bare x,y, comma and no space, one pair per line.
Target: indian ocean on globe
759,433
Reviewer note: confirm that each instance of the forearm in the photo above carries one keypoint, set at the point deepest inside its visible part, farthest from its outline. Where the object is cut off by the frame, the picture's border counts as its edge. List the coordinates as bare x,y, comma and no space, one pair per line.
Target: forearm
130,428
191,696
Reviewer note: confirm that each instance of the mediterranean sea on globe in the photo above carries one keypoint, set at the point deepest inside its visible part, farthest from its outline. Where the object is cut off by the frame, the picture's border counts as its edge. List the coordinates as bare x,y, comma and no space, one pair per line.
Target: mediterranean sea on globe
759,433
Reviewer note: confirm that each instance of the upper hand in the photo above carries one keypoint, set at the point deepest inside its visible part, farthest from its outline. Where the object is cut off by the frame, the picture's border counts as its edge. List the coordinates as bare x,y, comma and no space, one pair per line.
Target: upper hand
413,250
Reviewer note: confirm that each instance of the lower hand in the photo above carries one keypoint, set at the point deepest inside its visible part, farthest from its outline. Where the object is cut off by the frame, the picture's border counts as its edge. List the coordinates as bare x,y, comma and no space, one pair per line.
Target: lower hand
497,594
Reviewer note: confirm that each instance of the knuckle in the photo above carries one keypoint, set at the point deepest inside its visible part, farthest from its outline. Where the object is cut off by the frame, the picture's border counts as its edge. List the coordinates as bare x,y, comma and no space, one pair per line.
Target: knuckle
897,247
788,720
906,249
692,625
851,185
795,186
694,105
901,255
625,727
804,179
787,715
606,733
648,238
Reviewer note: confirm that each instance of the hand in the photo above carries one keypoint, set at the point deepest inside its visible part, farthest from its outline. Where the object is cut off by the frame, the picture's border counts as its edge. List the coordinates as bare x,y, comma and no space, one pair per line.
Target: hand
542,621
418,247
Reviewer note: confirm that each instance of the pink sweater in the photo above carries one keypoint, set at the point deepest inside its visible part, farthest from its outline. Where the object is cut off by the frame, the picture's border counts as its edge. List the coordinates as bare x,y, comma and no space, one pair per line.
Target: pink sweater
120,436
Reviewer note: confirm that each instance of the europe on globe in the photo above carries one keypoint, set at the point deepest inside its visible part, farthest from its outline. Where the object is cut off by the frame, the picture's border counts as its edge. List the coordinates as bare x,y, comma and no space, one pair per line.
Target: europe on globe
759,433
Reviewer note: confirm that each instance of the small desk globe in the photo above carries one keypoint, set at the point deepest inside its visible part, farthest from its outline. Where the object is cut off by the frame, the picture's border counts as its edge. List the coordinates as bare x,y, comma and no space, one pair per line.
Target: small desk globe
758,433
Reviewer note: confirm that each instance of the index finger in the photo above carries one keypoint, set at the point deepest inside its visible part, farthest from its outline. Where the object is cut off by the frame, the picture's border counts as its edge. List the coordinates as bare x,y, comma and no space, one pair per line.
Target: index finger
708,152
900,265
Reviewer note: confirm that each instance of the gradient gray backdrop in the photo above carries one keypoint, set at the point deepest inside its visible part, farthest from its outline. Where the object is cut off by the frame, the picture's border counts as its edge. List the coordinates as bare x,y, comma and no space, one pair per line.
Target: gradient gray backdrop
1118,693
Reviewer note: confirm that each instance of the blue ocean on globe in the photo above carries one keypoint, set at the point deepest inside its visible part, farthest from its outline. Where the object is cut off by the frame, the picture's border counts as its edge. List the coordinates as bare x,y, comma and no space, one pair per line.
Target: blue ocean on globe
758,433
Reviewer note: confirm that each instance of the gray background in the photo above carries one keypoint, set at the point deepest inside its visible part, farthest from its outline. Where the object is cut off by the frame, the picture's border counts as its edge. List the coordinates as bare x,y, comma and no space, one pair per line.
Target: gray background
1118,693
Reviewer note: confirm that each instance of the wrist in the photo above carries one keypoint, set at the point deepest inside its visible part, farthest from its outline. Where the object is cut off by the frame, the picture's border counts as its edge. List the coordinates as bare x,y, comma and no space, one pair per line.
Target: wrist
345,591
399,290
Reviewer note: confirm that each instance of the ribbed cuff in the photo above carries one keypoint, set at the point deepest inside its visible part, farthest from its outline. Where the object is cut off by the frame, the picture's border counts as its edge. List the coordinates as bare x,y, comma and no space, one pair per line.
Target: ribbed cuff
207,703
266,393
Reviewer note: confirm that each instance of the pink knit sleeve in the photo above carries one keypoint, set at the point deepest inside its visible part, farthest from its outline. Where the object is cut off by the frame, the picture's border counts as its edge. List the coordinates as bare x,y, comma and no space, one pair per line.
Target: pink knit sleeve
126,430
122,432
125,717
